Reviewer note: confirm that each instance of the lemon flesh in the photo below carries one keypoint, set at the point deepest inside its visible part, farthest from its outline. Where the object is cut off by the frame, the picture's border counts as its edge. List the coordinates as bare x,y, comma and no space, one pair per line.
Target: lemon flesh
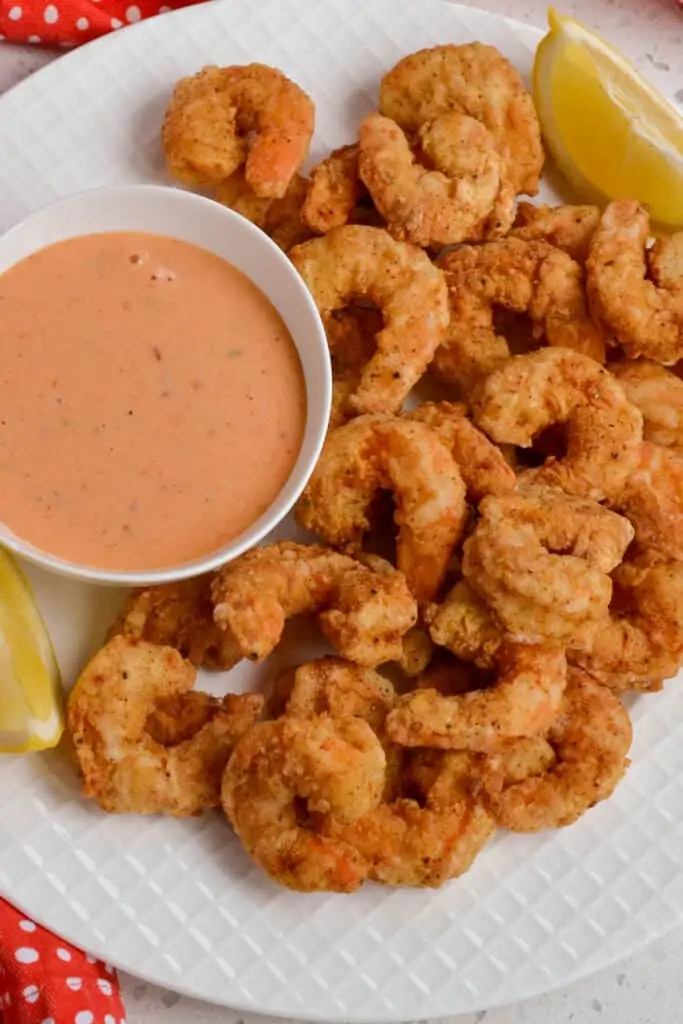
610,132
31,709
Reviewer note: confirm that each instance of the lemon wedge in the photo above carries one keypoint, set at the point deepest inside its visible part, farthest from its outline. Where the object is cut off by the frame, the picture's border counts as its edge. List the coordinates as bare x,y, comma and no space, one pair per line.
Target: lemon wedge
611,133
31,714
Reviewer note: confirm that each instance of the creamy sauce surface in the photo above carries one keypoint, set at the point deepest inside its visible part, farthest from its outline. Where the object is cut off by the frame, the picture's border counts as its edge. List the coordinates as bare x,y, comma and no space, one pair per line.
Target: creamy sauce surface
152,402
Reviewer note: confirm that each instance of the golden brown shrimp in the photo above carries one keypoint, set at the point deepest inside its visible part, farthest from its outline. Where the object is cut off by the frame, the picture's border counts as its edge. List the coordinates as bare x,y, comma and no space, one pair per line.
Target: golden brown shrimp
330,766
363,612
482,465
417,653
523,701
590,739
351,337
372,453
362,262
178,615
540,559
467,198
334,190
332,686
464,624
476,80
642,643
223,118
658,393
280,218
523,277
569,228
123,766
652,500
554,385
645,319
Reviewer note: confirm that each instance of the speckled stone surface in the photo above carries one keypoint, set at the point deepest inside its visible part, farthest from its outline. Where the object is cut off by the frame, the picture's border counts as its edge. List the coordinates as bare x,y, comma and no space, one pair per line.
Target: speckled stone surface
648,989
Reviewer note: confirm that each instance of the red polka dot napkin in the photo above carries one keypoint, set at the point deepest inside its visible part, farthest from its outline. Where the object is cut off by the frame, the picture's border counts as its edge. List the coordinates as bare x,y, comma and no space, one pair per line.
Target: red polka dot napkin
44,980
72,22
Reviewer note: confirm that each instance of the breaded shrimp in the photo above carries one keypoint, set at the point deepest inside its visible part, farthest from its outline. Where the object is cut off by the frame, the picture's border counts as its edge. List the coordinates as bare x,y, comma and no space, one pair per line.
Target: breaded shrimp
111,711
178,615
523,701
658,393
363,612
569,228
334,190
646,319
467,198
482,465
330,766
372,453
361,262
519,276
642,643
465,625
591,739
554,385
281,219
417,653
332,686
351,337
223,118
540,560
652,500
471,79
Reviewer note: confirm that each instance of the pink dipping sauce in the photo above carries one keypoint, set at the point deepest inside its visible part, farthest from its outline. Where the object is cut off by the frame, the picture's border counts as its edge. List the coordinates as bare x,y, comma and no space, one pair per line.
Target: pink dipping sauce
152,402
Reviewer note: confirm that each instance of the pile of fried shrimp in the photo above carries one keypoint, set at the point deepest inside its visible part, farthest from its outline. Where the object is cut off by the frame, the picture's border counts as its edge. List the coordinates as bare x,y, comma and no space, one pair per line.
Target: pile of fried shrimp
529,573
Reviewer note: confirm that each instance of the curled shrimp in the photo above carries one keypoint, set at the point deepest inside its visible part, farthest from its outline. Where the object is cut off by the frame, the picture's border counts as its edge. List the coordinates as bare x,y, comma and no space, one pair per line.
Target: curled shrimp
652,500
178,615
351,337
476,80
482,465
523,277
464,198
569,228
556,386
362,262
334,191
330,766
372,453
281,219
646,319
590,740
540,560
332,686
658,393
523,701
119,701
363,612
642,642
223,118
464,624
417,653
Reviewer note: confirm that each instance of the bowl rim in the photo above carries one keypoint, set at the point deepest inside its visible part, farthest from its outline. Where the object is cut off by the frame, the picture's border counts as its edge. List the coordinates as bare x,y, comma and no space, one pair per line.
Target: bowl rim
273,515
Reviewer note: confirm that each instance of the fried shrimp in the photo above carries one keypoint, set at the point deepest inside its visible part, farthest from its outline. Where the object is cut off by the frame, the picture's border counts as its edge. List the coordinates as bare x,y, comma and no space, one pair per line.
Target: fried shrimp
642,643
658,393
482,465
334,190
417,653
540,560
467,198
523,701
590,738
124,768
281,219
523,277
332,686
351,337
372,453
652,500
465,626
178,615
534,391
362,262
364,612
284,772
475,80
223,118
569,228
646,319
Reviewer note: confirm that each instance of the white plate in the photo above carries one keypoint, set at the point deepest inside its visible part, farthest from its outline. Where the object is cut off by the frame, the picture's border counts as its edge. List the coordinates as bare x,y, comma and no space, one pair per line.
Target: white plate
178,902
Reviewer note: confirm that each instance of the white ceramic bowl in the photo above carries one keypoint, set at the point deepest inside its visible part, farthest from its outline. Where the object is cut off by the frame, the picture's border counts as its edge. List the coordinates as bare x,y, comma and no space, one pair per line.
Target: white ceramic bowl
190,218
